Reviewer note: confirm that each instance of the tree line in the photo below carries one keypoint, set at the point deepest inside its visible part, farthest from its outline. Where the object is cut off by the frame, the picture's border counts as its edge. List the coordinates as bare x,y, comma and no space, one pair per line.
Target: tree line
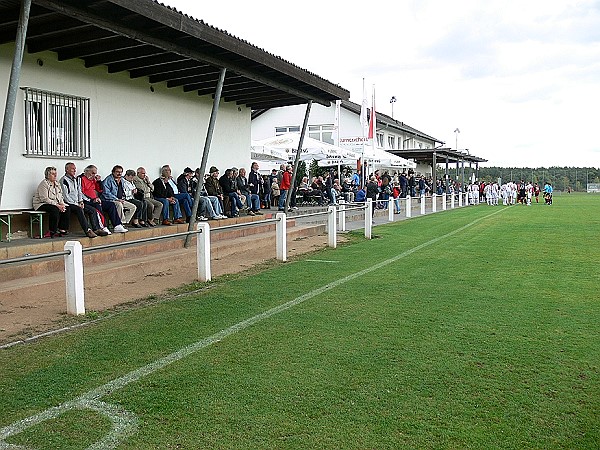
562,178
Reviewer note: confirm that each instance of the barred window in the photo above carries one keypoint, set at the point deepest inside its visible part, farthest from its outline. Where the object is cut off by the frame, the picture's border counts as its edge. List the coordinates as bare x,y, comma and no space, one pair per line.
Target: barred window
56,125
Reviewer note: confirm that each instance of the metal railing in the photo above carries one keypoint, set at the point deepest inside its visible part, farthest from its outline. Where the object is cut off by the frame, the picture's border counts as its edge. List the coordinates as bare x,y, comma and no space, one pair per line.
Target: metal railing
73,252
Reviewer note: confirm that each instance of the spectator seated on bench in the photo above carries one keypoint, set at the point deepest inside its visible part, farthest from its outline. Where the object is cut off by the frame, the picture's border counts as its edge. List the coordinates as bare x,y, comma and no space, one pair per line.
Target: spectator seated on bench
48,198
163,192
73,196
214,189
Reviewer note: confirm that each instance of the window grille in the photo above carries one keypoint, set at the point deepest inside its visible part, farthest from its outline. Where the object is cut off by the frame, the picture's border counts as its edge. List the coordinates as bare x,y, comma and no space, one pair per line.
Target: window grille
56,125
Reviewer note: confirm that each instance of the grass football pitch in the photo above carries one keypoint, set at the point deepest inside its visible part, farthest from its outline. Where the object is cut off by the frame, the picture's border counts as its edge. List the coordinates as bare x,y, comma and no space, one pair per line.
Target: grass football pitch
471,328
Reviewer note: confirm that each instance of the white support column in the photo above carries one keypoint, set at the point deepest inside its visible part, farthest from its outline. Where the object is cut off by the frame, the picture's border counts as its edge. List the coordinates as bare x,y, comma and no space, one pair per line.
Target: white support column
342,217
203,251
281,232
408,207
74,278
444,200
452,201
460,199
423,205
391,208
369,218
331,227
433,203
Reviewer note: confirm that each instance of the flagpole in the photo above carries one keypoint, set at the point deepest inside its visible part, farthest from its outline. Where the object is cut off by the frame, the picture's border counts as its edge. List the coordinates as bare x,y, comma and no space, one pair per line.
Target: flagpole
363,118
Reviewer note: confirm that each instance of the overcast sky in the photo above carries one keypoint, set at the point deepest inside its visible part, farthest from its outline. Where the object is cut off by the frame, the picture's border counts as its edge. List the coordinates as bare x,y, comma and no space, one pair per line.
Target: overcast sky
520,79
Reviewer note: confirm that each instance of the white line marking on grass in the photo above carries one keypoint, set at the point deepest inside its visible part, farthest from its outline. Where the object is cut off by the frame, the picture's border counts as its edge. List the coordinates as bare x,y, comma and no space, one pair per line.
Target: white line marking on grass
124,423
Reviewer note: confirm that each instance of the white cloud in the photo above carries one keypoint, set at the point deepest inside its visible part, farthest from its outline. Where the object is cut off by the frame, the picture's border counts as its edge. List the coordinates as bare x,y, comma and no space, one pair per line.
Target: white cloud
521,79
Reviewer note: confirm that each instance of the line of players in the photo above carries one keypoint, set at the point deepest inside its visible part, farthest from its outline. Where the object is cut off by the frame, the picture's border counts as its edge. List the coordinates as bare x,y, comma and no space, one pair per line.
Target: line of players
511,193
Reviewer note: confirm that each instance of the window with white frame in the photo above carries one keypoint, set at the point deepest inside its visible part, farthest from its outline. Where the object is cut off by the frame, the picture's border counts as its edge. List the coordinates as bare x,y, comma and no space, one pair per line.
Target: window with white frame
391,142
56,125
282,130
380,140
323,133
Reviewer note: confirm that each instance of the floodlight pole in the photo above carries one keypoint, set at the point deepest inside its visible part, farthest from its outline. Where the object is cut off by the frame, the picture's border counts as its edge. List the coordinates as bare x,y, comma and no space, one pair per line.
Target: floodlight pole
297,160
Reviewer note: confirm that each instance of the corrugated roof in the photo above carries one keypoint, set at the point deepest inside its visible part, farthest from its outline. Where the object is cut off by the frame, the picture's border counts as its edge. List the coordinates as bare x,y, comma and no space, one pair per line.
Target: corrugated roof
149,39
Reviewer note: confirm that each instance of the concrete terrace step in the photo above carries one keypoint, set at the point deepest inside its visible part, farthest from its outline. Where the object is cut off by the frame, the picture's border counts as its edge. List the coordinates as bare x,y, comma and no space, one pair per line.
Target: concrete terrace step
221,241
113,271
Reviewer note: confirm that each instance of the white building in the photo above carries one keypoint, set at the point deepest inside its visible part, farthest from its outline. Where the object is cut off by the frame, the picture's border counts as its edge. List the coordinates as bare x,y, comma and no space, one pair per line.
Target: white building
391,134
112,82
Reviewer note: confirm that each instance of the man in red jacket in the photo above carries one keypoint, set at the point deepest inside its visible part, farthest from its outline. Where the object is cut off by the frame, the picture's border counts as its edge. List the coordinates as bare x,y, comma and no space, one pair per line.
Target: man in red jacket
286,183
91,187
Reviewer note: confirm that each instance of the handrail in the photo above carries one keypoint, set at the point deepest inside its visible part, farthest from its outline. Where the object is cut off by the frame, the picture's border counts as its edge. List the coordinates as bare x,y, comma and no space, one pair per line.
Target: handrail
301,216
241,225
139,241
34,257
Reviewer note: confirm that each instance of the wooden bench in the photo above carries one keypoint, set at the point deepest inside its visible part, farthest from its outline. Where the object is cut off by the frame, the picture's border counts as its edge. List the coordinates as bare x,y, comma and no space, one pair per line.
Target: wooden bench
6,219
35,217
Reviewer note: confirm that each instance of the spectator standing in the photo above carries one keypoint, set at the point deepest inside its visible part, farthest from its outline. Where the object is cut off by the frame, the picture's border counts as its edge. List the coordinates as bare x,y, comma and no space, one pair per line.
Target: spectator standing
286,182
255,188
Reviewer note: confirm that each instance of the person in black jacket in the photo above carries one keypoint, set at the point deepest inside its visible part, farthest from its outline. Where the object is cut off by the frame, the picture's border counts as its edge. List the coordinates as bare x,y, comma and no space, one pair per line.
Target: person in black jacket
255,189
227,182
163,192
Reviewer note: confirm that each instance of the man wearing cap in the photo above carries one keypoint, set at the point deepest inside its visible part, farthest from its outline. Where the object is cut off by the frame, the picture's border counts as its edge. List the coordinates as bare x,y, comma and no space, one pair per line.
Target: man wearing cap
212,186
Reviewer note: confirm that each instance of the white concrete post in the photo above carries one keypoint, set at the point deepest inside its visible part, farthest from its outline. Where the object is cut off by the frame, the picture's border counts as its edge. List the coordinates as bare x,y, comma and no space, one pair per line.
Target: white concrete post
408,207
452,201
331,227
342,217
281,236
444,200
391,208
433,203
74,278
203,251
423,205
460,200
368,218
